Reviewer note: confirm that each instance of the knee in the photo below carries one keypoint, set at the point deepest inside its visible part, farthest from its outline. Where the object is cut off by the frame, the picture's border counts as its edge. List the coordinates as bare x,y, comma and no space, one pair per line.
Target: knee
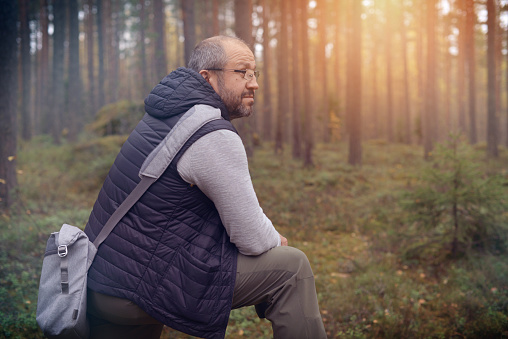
296,261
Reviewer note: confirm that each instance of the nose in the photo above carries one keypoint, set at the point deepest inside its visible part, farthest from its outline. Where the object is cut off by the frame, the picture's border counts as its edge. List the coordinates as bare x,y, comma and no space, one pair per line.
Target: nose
253,84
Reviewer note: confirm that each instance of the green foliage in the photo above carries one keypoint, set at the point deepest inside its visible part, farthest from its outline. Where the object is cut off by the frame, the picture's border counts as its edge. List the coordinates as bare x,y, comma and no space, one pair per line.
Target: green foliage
454,204
349,221
118,118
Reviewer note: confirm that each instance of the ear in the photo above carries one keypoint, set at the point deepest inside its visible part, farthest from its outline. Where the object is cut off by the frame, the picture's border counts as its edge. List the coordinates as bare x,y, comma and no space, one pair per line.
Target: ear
205,74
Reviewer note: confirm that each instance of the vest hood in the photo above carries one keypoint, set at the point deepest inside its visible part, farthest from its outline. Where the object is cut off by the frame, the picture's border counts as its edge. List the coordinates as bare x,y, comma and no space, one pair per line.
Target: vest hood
179,91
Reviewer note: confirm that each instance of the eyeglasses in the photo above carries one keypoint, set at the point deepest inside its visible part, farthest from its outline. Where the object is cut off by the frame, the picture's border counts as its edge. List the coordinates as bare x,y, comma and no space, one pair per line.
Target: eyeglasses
248,74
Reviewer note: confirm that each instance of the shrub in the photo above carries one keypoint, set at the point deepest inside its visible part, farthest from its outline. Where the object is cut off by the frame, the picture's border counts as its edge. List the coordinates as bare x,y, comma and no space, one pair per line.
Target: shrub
117,118
456,204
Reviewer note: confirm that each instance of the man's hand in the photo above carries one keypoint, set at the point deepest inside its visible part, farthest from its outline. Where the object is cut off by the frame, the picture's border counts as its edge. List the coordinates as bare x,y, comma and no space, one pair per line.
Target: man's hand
283,241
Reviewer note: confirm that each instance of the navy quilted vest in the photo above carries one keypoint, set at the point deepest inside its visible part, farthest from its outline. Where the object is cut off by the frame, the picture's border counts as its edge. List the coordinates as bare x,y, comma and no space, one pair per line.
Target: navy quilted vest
170,254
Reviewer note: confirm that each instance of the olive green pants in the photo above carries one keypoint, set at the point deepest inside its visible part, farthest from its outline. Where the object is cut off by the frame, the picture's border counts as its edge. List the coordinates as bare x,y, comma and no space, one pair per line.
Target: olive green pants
279,282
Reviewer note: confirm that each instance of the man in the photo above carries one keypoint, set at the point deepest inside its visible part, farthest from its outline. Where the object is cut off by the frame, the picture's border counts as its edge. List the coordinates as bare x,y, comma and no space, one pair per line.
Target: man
197,244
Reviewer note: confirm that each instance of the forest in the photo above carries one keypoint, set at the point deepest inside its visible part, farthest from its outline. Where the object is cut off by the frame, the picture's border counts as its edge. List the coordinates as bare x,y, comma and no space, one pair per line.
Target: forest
378,145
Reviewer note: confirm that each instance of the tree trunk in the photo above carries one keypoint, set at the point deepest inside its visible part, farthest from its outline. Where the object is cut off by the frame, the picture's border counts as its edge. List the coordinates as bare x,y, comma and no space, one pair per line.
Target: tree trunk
189,28
461,71
296,34
471,65
100,45
321,55
26,124
159,20
58,93
308,137
492,149
90,59
41,106
215,17
267,96
142,50
243,30
282,83
428,120
75,111
389,75
354,84
407,97
8,101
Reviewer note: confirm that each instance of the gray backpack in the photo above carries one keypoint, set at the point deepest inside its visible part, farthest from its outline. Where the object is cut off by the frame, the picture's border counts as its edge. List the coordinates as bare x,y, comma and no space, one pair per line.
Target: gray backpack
61,304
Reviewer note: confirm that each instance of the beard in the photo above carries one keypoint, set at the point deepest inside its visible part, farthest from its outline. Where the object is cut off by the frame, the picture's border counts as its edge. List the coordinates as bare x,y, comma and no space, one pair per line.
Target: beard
234,104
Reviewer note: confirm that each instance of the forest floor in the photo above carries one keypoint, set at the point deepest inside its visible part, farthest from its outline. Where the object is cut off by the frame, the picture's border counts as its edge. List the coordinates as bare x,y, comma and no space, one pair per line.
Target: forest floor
348,220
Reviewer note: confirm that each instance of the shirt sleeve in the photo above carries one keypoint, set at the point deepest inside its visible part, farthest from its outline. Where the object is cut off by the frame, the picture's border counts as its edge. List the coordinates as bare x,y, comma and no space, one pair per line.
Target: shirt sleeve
217,164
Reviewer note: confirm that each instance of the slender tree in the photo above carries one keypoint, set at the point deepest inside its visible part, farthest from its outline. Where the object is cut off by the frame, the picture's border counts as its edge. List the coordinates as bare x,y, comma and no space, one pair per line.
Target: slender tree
215,17
296,35
189,28
100,46
354,83
461,67
389,71
142,49
308,136
266,89
57,79
8,100
41,106
471,66
282,71
407,99
243,30
159,20
492,148
26,65
321,55
428,119
90,58
74,75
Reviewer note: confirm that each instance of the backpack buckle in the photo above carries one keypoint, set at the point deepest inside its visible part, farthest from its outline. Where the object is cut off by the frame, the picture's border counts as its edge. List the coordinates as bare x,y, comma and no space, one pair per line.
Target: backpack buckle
62,251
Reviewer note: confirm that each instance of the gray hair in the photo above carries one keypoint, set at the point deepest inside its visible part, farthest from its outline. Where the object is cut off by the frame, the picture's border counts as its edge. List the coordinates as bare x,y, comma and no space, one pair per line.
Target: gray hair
210,53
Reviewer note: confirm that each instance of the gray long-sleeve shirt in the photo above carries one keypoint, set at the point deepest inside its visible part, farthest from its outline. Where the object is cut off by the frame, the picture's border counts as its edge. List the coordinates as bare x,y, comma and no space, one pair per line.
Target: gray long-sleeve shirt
217,164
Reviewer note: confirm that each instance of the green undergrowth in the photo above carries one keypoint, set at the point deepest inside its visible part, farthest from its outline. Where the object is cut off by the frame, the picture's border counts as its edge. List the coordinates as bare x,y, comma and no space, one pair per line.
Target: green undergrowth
350,221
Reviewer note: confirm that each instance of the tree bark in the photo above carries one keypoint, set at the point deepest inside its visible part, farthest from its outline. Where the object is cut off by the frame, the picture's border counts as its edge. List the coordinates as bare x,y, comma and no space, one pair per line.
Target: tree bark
321,55
26,124
282,82
389,70
407,99
41,106
492,144
430,96
58,93
471,66
243,30
296,34
159,20
100,46
75,104
266,90
215,17
354,84
142,49
90,59
8,101
308,136
461,71
189,28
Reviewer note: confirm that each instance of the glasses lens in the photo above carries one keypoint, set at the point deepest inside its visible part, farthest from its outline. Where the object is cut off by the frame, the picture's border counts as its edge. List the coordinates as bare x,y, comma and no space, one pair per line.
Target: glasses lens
249,75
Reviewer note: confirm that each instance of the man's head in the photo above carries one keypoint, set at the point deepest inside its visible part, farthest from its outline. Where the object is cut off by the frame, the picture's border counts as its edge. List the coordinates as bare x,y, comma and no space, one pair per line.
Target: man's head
221,61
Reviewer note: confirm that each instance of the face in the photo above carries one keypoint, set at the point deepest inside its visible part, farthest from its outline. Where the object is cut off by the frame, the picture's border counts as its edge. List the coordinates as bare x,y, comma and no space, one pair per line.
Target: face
236,92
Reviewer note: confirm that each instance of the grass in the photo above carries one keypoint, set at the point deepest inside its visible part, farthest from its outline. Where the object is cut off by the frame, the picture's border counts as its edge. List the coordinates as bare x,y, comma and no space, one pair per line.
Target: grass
347,220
